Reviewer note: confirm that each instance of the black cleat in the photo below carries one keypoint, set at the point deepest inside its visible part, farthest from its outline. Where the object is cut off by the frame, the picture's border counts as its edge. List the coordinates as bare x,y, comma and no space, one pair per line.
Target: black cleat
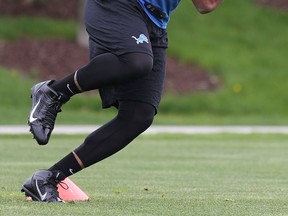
42,186
46,103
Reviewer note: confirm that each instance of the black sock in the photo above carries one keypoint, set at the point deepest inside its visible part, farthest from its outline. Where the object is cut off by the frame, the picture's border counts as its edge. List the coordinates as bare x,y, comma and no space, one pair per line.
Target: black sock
68,165
66,86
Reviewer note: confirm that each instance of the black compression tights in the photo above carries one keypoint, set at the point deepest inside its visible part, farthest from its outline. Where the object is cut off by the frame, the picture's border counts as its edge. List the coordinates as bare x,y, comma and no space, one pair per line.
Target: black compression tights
105,70
109,69
133,118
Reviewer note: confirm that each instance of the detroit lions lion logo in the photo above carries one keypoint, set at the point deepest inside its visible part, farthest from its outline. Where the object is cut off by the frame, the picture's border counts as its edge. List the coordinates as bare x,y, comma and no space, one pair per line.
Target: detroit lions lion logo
142,38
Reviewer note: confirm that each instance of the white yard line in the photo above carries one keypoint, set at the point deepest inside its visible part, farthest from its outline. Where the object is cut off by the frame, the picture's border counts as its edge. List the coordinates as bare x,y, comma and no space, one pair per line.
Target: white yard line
85,129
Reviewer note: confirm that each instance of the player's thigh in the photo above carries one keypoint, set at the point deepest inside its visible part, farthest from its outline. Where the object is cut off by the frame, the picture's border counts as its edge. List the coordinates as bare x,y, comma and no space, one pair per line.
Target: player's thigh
149,88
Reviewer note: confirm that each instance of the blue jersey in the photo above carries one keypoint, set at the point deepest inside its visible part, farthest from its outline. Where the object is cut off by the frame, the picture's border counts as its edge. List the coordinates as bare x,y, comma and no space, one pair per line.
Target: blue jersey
164,6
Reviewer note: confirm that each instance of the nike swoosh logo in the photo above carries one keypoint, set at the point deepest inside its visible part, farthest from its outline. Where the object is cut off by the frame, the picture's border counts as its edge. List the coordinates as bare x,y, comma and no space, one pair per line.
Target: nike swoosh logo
31,118
42,196
71,171
68,86
60,200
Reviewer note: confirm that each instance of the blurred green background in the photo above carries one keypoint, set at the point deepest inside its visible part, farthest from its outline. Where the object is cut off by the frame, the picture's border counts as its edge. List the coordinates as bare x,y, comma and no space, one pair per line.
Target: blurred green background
242,43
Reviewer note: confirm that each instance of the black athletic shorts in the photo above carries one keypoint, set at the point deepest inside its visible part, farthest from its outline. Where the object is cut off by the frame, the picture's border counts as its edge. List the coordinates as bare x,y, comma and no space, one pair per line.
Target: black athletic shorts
120,27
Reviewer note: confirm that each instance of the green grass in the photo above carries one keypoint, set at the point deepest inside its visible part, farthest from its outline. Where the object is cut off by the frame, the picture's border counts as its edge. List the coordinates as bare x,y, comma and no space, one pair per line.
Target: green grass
158,175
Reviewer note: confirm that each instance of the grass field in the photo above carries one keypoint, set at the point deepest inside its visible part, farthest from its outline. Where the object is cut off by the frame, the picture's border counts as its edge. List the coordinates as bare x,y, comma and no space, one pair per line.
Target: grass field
158,175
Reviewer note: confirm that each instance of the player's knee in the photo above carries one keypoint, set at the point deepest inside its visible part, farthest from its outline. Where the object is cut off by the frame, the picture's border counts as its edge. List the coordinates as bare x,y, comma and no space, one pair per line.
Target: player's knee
142,122
137,116
140,64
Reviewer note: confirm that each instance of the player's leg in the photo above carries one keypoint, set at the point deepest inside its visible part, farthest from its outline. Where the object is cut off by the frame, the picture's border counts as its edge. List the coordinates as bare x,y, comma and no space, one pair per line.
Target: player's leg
138,102
133,118
104,70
